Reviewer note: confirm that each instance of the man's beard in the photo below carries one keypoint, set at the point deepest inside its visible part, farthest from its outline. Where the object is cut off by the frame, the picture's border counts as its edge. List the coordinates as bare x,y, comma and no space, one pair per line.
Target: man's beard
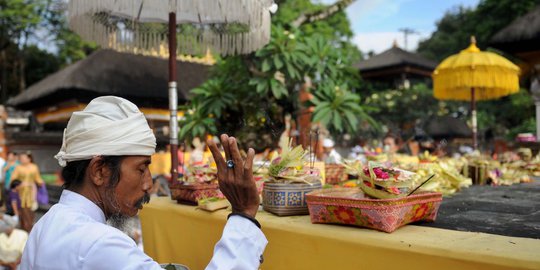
117,219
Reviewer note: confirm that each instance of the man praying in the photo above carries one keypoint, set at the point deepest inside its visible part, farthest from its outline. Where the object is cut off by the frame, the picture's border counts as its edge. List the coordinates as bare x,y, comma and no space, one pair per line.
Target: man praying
105,153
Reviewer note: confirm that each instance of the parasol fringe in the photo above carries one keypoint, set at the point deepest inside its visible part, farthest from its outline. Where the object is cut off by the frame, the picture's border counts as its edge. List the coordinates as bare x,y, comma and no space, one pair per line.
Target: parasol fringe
488,82
134,39
150,43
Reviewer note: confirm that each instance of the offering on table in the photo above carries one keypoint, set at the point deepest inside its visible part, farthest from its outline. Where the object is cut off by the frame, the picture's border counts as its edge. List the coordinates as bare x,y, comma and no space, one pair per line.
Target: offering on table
384,182
201,174
448,178
199,182
289,167
289,181
213,203
349,206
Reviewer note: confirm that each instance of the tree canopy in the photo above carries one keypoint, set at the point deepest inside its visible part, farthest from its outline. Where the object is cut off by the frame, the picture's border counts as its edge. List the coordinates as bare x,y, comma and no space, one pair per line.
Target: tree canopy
249,95
35,42
459,24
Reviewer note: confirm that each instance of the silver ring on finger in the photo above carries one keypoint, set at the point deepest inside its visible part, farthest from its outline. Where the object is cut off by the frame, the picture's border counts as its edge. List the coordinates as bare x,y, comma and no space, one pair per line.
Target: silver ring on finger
230,164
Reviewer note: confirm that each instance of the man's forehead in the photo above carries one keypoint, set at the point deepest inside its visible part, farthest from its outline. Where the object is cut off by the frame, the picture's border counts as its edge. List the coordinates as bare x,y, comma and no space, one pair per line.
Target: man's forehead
139,159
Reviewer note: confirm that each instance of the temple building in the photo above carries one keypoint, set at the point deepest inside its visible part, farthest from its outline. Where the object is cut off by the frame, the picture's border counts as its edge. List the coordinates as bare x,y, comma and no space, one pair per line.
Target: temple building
396,68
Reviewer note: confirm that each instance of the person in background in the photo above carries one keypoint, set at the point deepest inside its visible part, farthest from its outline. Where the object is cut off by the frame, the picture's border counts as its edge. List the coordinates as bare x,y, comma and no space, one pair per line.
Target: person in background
14,199
8,168
392,143
358,151
2,197
331,156
28,173
12,242
197,155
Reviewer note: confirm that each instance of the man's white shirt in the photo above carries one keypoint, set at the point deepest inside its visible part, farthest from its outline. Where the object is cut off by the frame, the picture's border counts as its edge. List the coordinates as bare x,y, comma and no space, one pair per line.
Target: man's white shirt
73,235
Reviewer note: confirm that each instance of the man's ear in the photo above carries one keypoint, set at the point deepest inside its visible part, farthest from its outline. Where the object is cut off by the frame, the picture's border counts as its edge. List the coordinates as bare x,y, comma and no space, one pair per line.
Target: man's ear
98,172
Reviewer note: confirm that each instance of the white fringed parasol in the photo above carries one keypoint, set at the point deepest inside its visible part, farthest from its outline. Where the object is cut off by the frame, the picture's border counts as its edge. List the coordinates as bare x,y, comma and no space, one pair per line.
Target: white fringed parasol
140,26
147,27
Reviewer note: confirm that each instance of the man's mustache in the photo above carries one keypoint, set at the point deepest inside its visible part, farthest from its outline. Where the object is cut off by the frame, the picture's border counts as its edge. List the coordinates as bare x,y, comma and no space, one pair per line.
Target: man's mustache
145,199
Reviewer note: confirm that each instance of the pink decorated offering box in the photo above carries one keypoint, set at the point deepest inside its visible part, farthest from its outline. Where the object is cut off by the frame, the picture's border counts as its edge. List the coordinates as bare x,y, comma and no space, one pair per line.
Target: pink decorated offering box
350,206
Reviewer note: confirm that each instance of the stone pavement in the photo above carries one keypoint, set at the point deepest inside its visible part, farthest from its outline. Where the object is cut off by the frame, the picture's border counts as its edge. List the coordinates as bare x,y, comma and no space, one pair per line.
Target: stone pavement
503,210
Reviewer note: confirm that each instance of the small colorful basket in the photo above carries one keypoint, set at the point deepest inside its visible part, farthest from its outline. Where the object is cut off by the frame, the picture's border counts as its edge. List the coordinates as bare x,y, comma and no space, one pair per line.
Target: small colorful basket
335,173
287,199
191,193
350,207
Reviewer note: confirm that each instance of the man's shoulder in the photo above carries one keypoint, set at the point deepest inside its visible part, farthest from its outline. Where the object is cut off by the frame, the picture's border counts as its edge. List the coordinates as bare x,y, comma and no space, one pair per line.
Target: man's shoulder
70,224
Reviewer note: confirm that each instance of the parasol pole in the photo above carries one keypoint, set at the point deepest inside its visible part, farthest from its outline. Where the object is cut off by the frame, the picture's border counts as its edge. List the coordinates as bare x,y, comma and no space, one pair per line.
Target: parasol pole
474,124
173,97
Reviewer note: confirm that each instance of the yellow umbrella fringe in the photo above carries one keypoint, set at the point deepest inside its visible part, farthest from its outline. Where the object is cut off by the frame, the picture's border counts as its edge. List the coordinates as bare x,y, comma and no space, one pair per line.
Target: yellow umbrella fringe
488,84
491,75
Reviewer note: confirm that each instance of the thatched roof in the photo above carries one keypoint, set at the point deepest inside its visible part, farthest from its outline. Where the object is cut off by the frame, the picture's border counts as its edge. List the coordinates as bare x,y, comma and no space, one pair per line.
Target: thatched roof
395,57
141,79
522,35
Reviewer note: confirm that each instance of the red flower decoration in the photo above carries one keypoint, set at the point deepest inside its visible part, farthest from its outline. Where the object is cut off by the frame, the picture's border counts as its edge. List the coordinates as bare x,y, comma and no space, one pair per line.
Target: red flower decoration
345,215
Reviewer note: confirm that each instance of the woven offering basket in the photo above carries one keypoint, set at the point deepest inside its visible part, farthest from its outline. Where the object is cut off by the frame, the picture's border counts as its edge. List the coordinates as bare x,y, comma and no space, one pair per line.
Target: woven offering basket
191,193
335,173
478,173
287,199
351,207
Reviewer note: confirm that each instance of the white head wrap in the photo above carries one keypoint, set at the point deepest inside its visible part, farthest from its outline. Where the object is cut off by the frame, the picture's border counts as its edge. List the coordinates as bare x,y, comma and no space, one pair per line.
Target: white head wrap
7,223
328,143
109,126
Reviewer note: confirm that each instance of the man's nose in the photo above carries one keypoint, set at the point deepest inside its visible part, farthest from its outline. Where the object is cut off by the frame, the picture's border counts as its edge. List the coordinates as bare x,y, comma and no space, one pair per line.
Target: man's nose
147,184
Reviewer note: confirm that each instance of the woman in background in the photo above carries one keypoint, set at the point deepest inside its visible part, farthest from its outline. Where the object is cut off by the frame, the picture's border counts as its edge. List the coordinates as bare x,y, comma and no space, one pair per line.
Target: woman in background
28,173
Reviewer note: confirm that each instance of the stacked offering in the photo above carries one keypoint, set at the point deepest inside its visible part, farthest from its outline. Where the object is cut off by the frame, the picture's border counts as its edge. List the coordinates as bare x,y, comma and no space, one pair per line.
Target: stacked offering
385,201
289,181
383,182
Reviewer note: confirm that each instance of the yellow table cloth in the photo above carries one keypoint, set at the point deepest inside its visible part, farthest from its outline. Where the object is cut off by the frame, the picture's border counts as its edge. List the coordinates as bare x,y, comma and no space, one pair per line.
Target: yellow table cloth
186,235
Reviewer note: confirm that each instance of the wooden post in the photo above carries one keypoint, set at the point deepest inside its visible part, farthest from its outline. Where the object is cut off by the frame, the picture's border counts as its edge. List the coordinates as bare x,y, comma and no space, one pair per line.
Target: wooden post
474,124
173,98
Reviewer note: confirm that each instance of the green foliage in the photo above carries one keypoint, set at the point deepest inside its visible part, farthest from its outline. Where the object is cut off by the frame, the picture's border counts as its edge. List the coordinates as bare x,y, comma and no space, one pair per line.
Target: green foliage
402,109
214,97
506,114
527,126
263,86
196,123
39,64
25,23
455,28
338,109
71,48
17,17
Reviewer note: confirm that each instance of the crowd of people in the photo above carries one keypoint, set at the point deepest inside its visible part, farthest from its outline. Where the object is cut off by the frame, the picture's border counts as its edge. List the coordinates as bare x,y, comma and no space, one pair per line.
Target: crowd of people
20,181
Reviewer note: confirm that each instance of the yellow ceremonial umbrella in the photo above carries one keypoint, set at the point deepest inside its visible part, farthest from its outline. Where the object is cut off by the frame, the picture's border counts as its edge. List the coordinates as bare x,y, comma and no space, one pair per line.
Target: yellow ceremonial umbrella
475,75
